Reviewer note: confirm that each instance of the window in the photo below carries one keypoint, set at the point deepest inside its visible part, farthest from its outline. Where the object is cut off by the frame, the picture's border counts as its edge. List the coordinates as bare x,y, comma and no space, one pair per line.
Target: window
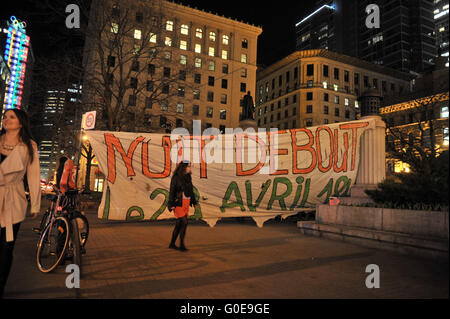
182,75
336,73
209,112
168,42
162,121
224,84
295,73
137,34
184,29
444,112
278,116
325,71
336,87
346,102
153,38
168,55
225,54
169,25
183,59
309,108
148,102
309,122
225,68
181,91
244,58
325,121
212,36
366,81
310,70
346,76
199,33
195,110
114,28
310,83
211,51
222,129
132,100
198,48
243,87
383,86
211,80
309,96
198,62
244,73
244,43
197,78
325,109
165,89
166,72
325,97
149,86
115,12
183,44
212,66
336,99
111,61
325,85
196,94
180,108
133,83
375,83
179,123
347,114
225,39
356,78
210,96
336,112
223,114
223,99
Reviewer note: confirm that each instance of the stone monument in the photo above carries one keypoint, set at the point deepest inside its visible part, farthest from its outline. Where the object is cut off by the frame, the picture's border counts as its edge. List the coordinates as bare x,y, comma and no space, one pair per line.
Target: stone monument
248,108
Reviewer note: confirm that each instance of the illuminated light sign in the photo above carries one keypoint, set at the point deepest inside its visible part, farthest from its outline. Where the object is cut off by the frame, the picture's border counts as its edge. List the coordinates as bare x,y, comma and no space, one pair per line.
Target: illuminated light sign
315,12
15,56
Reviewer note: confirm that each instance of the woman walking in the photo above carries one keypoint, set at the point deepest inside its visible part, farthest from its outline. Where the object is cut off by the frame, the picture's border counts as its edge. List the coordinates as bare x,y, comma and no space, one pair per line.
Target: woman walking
18,156
181,197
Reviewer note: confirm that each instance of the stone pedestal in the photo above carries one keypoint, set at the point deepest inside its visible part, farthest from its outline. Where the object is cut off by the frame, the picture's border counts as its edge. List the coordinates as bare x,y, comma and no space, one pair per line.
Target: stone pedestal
372,165
245,124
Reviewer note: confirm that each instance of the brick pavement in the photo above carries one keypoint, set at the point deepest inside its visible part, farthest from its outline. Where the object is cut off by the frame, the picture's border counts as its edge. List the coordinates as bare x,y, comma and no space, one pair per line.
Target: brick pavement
231,260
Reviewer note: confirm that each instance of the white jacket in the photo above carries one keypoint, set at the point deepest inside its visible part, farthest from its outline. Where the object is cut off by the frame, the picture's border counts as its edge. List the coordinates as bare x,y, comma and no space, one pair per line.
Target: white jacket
13,203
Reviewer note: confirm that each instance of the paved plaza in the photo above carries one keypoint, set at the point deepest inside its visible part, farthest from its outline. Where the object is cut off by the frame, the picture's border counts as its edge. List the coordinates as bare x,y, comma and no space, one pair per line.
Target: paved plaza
232,260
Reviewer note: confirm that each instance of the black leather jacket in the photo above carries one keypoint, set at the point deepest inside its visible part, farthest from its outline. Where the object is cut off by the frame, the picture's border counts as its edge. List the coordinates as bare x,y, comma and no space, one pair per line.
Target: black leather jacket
178,185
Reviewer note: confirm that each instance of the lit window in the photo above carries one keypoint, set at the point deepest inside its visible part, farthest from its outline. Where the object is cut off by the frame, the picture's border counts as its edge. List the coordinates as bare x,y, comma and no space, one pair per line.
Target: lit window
325,84
180,108
346,101
212,66
225,39
199,33
137,34
184,29
152,38
198,62
211,51
198,48
446,139
168,42
183,45
336,87
114,28
183,59
169,25
212,36
224,54
444,112
357,104
244,58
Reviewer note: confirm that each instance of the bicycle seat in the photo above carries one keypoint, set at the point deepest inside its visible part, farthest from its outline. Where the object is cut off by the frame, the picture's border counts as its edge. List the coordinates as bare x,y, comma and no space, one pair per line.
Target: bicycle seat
51,197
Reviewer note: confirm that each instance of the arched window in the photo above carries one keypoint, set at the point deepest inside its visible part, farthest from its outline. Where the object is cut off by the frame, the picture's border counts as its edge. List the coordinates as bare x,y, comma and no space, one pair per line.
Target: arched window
199,33
184,29
169,25
225,39
212,36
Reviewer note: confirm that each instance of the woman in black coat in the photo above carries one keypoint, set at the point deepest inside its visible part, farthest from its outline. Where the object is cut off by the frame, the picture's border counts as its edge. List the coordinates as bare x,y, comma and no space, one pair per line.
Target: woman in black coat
181,197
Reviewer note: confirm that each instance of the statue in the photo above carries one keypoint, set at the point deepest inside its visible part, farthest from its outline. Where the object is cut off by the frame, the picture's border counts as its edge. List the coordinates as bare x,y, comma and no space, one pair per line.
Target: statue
248,107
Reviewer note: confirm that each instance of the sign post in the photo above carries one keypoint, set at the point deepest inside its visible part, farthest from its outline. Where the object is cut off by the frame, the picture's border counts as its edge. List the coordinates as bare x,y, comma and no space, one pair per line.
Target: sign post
87,123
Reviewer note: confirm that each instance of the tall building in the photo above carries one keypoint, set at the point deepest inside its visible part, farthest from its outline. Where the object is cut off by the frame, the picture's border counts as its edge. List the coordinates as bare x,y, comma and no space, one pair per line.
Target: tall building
313,87
16,50
441,13
405,40
206,64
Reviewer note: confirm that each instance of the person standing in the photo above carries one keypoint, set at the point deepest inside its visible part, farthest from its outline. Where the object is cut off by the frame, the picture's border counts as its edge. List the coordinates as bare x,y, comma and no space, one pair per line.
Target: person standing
181,197
64,175
19,156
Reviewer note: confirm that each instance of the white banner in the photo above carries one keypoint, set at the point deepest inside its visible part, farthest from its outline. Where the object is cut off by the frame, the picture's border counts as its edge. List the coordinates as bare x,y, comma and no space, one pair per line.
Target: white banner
260,175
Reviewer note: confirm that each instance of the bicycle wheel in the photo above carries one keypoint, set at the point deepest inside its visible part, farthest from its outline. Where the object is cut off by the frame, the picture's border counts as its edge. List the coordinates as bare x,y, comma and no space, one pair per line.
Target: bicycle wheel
75,240
83,227
53,244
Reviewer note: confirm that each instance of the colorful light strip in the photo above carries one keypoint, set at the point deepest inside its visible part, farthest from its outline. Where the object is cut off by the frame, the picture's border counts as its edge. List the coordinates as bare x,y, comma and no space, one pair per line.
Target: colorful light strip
16,55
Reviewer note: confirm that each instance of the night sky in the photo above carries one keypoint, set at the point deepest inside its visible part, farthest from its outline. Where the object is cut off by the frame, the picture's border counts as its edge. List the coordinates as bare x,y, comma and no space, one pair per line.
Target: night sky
277,19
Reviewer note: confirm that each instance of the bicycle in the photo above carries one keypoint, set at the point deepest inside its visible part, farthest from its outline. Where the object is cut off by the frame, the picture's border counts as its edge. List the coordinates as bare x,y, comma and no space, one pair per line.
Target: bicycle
60,238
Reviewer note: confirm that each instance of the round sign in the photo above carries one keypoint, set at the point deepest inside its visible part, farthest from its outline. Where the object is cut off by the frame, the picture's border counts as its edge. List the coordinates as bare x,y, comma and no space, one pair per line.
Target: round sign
89,120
